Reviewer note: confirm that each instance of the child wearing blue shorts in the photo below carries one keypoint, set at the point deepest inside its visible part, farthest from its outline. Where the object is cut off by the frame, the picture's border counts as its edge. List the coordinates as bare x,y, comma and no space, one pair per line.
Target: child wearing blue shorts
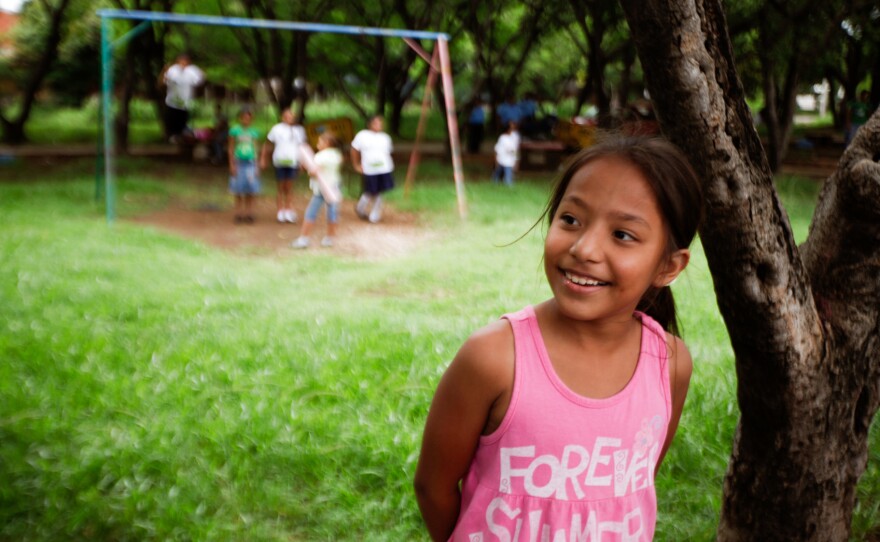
244,180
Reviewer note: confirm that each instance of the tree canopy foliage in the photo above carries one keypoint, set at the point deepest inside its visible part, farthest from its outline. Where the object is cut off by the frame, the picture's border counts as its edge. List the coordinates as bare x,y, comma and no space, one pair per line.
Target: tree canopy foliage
555,49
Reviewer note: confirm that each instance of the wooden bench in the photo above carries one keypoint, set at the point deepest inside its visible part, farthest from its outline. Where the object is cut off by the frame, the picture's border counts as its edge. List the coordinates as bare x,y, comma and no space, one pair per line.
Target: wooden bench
538,155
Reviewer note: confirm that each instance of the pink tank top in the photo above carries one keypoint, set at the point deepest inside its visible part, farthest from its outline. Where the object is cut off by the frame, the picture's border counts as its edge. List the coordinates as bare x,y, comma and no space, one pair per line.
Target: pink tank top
562,467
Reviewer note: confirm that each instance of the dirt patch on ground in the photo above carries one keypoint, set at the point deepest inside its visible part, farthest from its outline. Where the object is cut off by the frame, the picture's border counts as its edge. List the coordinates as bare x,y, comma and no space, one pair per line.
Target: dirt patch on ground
213,223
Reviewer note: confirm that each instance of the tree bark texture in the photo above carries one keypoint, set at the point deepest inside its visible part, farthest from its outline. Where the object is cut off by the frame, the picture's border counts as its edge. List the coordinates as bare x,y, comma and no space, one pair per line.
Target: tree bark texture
803,323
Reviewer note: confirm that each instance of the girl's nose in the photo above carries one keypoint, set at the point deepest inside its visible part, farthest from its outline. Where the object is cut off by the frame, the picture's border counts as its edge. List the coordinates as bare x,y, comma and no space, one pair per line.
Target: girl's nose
586,247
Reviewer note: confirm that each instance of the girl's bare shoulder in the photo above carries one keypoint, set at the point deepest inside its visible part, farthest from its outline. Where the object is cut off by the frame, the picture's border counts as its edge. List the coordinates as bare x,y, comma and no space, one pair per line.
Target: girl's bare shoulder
488,352
483,372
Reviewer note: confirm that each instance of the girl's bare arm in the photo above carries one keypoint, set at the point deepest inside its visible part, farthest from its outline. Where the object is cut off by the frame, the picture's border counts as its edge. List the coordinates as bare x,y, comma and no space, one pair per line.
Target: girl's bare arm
481,372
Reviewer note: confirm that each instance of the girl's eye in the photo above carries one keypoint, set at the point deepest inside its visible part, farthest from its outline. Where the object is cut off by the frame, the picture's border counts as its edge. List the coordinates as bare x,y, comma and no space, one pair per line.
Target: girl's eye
568,220
623,236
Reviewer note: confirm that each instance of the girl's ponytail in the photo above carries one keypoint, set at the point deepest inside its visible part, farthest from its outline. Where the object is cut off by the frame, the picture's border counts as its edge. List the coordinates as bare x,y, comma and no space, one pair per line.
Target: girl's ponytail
659,304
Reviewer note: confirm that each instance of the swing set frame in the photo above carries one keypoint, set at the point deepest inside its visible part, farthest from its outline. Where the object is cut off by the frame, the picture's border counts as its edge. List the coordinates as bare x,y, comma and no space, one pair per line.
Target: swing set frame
439,64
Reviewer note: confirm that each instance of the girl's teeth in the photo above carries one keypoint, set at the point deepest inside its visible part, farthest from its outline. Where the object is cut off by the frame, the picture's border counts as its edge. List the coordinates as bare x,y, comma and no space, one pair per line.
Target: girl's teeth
582,281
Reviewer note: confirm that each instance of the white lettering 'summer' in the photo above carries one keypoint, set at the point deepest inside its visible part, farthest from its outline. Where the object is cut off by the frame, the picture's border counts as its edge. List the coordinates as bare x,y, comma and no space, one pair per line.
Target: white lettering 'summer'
630,529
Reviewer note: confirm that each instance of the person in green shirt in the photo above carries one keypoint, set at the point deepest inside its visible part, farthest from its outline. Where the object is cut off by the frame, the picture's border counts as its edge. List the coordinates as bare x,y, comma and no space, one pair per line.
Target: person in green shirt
244,180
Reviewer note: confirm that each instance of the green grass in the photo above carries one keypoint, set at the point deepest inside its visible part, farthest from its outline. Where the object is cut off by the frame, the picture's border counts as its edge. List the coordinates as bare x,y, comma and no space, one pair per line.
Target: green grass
154,388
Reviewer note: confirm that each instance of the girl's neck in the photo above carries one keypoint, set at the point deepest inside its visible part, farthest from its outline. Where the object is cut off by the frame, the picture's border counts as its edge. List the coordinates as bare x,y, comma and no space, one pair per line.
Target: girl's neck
594,359
605,333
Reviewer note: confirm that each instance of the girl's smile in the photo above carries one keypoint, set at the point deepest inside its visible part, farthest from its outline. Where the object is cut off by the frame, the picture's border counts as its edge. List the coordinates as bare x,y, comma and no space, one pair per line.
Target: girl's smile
584,281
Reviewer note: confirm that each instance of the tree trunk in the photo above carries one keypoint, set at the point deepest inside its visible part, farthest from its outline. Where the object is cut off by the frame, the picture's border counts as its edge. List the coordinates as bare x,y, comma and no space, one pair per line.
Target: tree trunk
396,117
596,70
803,324
584,94
381,77
13,129
123,116
624,87
779,103
302,63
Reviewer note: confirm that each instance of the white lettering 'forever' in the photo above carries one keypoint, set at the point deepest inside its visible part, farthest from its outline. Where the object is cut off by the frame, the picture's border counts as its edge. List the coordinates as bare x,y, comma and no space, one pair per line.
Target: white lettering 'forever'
607,464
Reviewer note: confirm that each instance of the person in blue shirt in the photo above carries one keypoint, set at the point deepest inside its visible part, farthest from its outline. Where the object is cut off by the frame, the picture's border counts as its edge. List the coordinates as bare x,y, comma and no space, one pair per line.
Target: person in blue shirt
476,124
508,112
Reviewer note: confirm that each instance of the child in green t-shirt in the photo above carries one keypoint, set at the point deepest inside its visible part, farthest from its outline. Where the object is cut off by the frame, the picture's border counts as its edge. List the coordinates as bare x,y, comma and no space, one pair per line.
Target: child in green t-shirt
244,181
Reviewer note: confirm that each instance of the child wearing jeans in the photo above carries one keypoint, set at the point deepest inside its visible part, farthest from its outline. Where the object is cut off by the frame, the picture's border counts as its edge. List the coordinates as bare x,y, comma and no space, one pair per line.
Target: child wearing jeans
244,182
328,161
506,155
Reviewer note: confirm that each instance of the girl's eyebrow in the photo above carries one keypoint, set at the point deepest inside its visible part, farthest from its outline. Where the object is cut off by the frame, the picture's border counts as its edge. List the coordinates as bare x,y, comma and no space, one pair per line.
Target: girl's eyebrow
577,200
622,216
628,217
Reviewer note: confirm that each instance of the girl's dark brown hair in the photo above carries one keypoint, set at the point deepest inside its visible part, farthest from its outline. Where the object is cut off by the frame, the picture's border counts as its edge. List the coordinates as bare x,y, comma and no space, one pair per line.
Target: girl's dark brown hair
679,197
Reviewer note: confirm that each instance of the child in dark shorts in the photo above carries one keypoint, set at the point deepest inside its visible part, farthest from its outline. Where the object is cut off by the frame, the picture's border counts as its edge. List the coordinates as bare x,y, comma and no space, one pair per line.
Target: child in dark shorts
284,141
371,156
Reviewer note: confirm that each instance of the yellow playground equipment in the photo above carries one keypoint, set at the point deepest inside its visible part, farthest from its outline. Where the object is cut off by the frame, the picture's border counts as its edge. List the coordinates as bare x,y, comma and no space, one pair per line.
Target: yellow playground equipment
341,127
575,133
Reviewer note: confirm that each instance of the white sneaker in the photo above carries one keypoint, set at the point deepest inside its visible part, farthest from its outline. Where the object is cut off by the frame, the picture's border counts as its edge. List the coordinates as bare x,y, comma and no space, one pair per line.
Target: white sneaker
281,216
290,215
301,242
327,242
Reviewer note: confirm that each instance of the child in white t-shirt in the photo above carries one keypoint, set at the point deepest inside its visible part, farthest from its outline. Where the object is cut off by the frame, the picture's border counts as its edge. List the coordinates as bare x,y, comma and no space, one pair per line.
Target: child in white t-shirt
506,155
371,156
181,80
284,139
328,162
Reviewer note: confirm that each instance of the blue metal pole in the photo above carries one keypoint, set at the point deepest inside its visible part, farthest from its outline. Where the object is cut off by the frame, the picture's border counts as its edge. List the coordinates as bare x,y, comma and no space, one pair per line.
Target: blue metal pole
265,23
125,38
107,109
107,48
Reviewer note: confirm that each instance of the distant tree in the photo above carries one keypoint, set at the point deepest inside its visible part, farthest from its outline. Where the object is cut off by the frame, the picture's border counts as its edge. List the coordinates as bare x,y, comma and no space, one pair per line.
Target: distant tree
77,74
804,322
855,57
43,27
401,83
278,55
503,34
142,61
785,38
596,22
385,69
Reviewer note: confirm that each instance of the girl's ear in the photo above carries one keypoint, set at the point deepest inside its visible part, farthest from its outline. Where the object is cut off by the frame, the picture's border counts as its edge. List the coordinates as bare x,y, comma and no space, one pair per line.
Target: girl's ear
674,265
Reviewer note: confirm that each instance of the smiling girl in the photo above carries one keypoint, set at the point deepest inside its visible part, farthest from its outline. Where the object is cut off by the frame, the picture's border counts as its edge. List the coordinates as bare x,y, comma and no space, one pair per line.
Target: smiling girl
551,423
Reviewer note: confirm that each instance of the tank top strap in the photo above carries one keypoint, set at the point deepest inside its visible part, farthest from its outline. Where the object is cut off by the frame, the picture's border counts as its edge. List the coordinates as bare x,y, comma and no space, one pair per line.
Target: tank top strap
521,325
526,363
655,352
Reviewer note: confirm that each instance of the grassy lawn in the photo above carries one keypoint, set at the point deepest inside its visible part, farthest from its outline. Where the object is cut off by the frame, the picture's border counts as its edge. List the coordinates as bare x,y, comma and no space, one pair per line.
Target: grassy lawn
155,388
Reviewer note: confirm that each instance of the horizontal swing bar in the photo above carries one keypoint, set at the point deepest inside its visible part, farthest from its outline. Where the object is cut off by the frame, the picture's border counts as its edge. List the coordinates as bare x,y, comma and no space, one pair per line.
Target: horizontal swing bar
268,24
